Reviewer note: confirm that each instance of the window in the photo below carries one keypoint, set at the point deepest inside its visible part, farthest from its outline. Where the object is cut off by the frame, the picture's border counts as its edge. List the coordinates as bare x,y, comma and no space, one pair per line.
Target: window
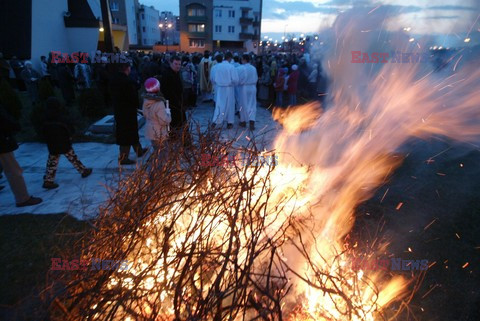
231,13
244,14
218,13
143,29
197,43
144,41
196,12
218,28
143,16
114,6
115,21
231,29
196,28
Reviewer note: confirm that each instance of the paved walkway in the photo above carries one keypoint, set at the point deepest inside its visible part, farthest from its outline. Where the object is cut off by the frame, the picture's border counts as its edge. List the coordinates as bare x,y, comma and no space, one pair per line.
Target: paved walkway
81,197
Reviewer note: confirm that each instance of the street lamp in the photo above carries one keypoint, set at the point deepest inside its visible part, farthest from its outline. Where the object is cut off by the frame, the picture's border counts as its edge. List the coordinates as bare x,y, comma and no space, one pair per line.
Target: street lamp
164,28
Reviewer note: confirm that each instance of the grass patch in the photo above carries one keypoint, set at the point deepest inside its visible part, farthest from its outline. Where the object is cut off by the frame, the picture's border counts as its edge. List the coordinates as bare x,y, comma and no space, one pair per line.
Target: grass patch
27,243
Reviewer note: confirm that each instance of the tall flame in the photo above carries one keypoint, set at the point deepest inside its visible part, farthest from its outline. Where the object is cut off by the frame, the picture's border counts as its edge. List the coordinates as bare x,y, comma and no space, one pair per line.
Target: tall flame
350,151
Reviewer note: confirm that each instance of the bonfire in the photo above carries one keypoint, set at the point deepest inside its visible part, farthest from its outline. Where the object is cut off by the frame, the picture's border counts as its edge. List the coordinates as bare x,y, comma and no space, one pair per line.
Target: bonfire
268,242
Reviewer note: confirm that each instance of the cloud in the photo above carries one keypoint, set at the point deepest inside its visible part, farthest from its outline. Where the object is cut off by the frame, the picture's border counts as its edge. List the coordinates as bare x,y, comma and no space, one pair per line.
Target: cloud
306,22
424,17
452,8
442,17
281,9
313,2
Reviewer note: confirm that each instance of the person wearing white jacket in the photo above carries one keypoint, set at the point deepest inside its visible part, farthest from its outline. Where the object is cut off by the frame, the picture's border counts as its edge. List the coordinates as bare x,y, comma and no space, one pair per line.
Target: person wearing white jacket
157,114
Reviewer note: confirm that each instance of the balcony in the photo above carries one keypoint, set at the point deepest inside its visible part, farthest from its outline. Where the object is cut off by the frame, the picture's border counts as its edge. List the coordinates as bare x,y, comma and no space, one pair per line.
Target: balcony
196,34
246,36
246,20
196,19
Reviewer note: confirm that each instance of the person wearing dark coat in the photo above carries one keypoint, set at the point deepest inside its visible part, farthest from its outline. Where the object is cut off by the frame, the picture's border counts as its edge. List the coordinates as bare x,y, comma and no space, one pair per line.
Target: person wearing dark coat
17,67
125,103
172,89
66,82
58,135
149,69
102,78
30,77
292,83
13,171
4,68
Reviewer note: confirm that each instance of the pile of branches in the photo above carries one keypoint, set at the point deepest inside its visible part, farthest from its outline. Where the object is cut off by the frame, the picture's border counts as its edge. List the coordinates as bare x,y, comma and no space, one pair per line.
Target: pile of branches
185,241
192,237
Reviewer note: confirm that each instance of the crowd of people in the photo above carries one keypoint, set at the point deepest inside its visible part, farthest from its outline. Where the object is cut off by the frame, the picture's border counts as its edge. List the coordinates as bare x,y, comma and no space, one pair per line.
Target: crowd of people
170,84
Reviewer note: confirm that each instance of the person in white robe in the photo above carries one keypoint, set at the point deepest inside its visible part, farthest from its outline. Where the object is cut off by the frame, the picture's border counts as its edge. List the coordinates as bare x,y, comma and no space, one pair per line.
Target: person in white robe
248,78
225,78
218,59
236,63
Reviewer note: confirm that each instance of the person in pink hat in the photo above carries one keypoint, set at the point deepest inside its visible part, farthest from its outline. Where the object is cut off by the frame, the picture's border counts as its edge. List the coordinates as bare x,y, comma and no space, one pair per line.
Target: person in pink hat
156,113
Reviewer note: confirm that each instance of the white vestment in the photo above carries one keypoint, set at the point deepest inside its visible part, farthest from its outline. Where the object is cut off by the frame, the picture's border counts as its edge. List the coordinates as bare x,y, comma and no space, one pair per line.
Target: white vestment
224,77
248,78
212,72
237,90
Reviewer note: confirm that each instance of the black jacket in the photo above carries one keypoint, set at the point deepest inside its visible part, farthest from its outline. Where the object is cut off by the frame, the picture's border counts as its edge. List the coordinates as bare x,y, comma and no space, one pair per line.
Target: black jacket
172,89
8,126
125,103
57,136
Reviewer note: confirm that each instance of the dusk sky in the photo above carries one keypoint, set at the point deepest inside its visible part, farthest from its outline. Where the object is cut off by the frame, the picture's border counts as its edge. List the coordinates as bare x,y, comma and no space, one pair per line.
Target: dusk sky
449,22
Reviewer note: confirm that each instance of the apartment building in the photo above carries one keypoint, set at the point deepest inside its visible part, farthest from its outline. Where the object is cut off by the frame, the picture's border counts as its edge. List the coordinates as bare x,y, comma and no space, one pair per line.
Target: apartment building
149,19
236,24
124,21
220,25
196,25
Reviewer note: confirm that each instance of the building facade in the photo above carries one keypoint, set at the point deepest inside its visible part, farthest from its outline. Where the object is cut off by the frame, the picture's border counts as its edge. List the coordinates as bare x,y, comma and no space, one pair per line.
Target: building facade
32,28
236,24
149,19
196,25
131,7
220,25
